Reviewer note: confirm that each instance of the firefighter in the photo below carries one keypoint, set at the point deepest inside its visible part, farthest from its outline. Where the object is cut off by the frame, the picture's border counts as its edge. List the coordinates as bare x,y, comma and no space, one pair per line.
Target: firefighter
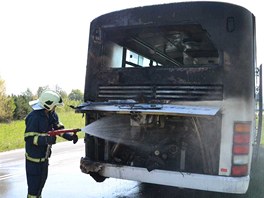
42,119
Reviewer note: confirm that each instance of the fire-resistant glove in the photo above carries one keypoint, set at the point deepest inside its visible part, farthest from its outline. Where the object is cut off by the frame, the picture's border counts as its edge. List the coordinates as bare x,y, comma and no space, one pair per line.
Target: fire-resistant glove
51,139
73,138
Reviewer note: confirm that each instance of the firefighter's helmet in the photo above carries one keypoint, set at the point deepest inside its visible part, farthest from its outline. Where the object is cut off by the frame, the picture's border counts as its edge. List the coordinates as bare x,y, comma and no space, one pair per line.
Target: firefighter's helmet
47,100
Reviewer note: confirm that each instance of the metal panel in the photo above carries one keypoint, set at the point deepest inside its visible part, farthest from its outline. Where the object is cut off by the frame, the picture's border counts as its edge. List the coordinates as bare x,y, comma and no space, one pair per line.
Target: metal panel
155,109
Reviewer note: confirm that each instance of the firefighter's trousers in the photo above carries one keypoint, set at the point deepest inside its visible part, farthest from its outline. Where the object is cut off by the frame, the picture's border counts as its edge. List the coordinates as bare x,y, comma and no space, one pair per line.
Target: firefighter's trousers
37,173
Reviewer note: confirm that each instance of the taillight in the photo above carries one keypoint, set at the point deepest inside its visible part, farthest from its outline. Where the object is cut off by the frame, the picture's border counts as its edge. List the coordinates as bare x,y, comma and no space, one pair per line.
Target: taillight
240,149
241,138
241,142
239,170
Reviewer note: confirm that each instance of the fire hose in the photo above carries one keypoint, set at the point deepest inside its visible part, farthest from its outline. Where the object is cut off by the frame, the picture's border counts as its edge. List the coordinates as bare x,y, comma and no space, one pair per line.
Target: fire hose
58,132
62,131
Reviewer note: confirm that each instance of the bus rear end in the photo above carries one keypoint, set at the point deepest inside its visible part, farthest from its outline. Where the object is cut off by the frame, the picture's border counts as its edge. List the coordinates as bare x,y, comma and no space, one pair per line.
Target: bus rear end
170,96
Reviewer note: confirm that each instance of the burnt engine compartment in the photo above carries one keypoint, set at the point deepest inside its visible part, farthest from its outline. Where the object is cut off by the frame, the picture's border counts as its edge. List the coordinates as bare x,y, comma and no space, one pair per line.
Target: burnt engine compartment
175,143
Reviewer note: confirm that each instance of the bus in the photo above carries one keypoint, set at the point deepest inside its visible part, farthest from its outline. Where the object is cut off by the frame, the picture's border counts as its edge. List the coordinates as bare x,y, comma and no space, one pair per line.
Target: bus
170,96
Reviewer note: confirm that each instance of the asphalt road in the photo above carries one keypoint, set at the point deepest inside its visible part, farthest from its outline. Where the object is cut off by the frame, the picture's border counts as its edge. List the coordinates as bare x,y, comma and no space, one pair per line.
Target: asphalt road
65,179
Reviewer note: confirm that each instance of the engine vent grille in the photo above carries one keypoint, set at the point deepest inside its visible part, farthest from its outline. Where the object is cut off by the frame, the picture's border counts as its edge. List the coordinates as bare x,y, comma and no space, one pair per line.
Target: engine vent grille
190,92
125,92
163,92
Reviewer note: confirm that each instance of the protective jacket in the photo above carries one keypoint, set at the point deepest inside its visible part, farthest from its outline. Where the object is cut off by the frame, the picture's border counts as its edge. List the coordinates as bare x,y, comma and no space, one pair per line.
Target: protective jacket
38,123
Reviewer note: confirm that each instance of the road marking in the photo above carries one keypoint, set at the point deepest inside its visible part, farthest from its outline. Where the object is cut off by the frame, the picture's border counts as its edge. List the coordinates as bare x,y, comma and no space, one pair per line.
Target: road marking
3,177
7,176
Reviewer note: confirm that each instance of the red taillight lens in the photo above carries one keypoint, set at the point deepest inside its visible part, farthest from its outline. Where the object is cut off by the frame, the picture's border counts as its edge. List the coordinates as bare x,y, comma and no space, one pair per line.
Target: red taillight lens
240,170
240,149
241,138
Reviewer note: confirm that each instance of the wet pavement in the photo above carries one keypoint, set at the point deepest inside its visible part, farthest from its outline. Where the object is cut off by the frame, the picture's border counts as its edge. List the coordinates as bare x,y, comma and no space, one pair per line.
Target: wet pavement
66,180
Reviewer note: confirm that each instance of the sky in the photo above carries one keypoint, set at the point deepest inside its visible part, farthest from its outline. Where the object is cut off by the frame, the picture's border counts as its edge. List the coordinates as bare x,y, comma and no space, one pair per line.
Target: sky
45,42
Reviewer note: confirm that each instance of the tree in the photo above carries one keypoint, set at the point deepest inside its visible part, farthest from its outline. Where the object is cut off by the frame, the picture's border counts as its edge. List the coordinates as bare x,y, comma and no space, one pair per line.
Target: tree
2,88
28,94
22,106
76,95
62,93
41,89
7,105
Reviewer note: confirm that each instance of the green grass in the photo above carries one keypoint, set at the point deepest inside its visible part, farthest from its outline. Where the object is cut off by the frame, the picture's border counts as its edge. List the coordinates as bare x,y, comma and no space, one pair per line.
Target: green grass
71,120
12,134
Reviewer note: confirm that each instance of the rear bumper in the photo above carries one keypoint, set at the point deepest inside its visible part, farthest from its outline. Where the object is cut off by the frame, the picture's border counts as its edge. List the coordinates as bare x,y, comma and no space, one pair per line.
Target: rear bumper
238,185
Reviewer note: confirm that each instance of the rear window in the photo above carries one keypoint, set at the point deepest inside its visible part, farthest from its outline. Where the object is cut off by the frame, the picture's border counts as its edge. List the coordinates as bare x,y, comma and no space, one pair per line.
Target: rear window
168,46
